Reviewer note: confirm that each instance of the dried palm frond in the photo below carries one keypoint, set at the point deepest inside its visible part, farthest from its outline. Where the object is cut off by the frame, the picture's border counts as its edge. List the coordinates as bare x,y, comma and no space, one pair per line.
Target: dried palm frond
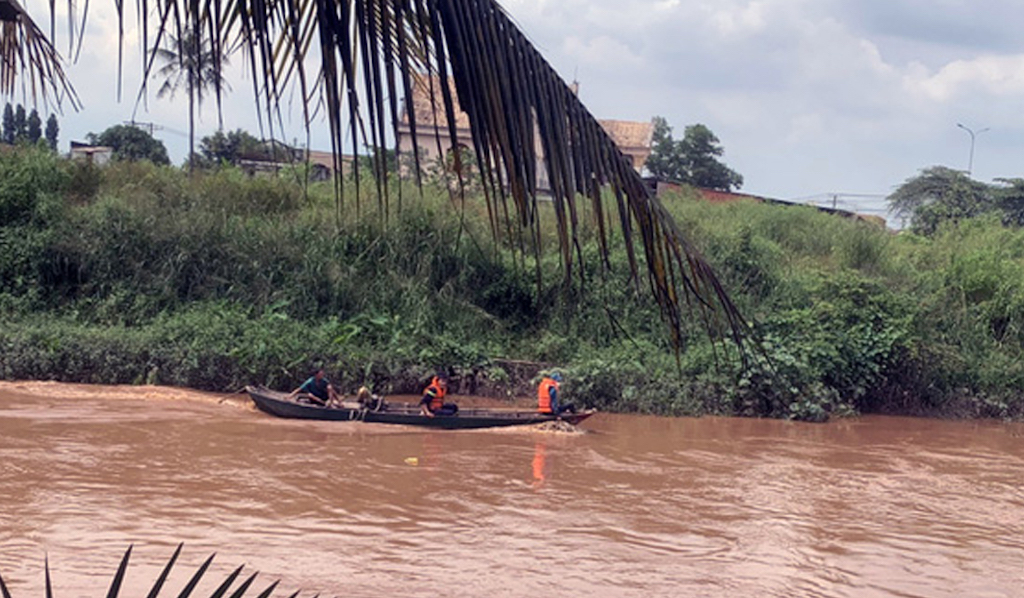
26,53
356,58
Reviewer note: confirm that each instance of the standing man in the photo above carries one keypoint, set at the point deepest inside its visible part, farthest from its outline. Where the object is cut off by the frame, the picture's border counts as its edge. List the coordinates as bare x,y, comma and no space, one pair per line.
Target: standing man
317,387
547,396
432,402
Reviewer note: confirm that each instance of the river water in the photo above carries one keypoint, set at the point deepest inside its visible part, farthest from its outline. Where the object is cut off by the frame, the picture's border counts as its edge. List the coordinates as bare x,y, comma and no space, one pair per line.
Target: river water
636,506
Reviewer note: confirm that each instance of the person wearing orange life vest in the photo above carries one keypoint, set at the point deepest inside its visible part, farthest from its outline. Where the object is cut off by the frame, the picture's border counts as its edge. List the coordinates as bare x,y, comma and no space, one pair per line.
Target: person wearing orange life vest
547,396
432,402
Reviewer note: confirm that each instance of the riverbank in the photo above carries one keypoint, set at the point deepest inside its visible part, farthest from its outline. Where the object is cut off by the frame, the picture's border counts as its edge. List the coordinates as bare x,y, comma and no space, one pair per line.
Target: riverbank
138,274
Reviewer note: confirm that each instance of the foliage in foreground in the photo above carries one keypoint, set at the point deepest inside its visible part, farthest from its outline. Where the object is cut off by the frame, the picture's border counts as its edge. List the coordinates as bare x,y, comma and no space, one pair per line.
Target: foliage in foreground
222,589
221,280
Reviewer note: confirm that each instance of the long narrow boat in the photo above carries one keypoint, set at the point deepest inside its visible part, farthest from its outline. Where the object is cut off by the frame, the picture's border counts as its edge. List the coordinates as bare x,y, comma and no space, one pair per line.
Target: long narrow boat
277,403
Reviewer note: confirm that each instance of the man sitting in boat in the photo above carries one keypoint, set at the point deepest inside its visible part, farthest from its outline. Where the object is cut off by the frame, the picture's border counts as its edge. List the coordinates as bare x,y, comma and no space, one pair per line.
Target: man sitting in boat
318,389
432,402
547,396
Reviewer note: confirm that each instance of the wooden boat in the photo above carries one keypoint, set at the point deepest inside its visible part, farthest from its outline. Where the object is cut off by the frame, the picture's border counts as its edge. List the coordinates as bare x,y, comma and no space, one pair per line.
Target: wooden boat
278,404
409,414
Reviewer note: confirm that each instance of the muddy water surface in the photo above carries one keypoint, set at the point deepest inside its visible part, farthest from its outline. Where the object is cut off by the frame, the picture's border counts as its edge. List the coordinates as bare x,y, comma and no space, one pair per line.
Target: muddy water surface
637,506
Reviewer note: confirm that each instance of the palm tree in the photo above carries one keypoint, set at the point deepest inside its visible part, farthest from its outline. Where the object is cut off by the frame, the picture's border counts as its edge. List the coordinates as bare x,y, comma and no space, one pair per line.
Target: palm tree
189,61
355,57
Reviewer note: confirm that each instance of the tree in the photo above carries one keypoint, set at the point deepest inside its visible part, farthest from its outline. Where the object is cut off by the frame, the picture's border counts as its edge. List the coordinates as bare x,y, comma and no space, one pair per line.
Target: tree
692,160
131,144
189,61
20,123
52,131
8,124
351,60
33,127
940,194
230,147
1010,199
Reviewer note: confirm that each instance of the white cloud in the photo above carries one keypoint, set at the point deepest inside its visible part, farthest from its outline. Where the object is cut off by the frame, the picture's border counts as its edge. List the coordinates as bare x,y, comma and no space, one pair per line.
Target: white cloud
995,75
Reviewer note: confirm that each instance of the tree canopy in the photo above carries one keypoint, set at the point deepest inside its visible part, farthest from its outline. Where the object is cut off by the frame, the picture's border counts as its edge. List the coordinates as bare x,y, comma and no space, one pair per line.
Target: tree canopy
939,194
21,127
692,160
52,131
8,124
131,144
229,148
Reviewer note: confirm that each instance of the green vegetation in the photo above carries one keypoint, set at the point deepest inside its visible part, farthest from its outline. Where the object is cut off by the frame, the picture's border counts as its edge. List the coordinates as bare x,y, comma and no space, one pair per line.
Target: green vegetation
19,126
692,160
131,144
940,195
141,274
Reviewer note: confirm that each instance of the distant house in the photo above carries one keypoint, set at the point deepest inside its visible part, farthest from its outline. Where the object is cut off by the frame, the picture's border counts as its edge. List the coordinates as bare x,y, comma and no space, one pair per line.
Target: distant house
98,155
274,156
435,145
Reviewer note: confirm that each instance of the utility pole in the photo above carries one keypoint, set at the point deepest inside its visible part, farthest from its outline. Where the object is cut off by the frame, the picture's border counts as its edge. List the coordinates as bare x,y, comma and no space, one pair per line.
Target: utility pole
972,133
150,127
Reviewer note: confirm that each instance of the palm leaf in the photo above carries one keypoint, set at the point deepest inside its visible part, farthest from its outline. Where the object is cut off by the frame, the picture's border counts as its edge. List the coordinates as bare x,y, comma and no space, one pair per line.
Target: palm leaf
240,591
3,589
223,589
519,110
25,52
49,586
191,585
115,586
153,593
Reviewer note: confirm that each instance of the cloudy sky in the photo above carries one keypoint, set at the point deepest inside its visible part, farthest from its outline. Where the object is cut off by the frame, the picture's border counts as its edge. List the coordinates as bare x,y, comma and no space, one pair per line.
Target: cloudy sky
810,98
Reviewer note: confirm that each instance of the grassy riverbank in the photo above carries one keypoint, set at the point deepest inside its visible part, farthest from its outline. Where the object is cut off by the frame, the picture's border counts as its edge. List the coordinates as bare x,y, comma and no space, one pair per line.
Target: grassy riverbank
137,274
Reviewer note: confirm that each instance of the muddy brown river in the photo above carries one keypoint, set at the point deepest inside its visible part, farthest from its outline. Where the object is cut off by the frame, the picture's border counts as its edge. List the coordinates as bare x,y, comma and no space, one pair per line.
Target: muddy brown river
636,506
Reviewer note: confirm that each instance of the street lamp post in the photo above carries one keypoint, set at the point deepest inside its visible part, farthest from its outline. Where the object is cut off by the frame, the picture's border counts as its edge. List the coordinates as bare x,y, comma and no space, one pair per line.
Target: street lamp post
972,133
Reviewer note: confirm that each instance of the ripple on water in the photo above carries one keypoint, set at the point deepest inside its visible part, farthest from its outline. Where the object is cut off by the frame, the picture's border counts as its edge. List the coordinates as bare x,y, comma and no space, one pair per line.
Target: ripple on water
637,507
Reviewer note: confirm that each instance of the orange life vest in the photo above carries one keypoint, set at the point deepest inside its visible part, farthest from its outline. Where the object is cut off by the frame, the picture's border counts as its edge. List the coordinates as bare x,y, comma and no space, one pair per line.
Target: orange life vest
436,392
544,395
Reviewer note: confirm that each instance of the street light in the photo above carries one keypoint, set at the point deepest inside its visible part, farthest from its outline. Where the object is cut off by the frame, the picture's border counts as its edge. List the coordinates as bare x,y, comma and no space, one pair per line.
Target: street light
970,159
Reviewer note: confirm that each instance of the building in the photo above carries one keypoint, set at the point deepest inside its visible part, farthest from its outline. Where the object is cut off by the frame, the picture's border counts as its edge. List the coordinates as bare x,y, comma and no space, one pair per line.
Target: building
274,156
434,143
97,155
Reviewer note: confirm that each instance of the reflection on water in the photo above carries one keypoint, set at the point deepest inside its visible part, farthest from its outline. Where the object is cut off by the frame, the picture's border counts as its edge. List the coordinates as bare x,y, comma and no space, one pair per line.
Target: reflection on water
638,506
539,457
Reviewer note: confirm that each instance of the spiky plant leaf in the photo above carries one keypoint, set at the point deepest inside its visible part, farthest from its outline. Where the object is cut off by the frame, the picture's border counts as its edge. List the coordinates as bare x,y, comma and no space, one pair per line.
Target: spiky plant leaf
163,574
270,589
187,591
49,586
240,591
3,588
115,585
223,589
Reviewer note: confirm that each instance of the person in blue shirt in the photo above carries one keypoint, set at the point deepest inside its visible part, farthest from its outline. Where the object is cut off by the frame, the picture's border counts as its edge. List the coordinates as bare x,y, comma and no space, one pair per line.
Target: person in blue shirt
317,387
